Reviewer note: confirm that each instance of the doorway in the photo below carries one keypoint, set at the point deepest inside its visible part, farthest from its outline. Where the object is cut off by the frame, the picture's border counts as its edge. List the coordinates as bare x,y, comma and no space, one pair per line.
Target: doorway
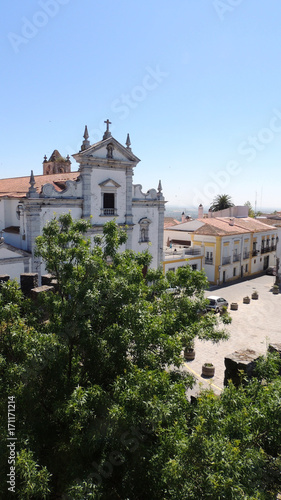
265,262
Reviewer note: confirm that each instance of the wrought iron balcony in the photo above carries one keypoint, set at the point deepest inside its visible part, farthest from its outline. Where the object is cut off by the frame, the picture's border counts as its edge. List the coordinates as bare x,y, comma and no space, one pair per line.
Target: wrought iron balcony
236,257
209,261
246,255
255,253
226,260
265,250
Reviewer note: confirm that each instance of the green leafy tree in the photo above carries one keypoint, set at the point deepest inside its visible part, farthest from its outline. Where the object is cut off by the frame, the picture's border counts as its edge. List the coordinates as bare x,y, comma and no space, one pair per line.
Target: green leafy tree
95,370
220,202
251,212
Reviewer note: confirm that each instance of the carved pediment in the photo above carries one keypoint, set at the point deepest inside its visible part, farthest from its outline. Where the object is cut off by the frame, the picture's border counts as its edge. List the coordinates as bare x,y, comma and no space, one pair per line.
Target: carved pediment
108,150
109,183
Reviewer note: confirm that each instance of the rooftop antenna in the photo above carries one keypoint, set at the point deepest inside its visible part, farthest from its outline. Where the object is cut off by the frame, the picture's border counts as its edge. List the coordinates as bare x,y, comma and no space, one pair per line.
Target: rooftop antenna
255,204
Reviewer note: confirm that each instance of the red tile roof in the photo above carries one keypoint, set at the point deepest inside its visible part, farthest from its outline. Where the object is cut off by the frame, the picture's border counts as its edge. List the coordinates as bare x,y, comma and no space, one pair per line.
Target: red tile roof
221,226
17,187
170,221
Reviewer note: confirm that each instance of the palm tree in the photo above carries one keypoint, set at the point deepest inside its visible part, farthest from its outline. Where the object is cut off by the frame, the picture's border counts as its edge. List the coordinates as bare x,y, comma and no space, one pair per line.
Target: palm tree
220,202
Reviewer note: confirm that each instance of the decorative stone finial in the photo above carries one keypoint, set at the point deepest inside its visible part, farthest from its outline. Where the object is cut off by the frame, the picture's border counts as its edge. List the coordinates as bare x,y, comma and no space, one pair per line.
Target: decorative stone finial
107,133
86,133
159,193
1,238
128,142
32,190
45,159
85,143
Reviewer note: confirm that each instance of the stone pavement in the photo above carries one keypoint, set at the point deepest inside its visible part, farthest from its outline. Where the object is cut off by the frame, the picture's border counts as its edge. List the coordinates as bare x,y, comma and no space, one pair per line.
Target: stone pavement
253,326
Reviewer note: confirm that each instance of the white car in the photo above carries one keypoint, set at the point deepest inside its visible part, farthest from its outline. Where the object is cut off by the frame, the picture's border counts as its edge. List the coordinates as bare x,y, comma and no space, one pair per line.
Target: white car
216,303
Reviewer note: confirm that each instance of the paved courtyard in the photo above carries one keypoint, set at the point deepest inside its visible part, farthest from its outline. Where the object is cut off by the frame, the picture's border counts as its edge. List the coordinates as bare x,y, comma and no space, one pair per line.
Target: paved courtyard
253,326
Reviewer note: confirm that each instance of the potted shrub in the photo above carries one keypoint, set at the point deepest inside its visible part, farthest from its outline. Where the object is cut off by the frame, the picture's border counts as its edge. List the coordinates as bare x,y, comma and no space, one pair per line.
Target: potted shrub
223,311
255,295
208,370
189,352
275,289
246,300
234,306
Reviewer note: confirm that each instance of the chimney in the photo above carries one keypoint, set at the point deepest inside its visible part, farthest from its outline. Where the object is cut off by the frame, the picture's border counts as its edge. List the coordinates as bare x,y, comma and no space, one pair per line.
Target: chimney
200,211
231,221
183,217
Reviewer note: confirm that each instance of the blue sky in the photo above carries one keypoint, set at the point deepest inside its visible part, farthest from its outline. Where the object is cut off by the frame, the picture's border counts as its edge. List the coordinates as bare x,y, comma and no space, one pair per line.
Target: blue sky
196,83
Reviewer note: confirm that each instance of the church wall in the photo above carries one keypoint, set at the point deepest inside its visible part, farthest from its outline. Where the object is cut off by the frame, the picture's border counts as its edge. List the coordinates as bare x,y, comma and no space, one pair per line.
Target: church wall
141,211
13,269
57,209
10,216
2,214
102,175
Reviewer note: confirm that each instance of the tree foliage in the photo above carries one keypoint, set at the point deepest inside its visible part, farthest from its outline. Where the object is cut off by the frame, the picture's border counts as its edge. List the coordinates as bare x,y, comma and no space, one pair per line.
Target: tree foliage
220,202
251,212
101,407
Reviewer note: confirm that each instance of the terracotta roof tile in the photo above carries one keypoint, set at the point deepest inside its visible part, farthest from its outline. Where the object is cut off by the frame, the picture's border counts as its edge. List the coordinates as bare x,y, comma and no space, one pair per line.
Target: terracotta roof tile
170,221
17,187
221,226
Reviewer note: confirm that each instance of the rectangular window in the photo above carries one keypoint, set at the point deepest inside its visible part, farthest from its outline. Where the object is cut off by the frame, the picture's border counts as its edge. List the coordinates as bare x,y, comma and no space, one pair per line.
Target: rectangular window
234,271
246,268
108,204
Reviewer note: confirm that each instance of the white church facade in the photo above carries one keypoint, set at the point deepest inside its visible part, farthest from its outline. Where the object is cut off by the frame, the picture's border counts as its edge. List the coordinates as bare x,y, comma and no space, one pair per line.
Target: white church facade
101,189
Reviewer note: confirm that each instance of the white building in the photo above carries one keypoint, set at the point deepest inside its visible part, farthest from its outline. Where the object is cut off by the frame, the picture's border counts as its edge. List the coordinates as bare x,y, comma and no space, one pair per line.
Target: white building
228,245
101,189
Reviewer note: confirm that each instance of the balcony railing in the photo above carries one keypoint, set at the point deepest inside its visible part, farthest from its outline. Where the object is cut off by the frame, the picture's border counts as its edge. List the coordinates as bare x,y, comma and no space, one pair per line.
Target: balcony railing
265,250
246,255
273,248
226,260
255,253
209,261
236,257
192,251
108,211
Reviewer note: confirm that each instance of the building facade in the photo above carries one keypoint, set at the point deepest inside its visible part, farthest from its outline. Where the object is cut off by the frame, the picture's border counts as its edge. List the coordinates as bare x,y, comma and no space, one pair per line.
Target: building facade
226,247
101,189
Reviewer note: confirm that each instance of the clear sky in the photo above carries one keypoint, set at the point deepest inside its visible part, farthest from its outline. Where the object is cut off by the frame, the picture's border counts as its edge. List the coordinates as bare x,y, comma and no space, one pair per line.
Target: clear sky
196,83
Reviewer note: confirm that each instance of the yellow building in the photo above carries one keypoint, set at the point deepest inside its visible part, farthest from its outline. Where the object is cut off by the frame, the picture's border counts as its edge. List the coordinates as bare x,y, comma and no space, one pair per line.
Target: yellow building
234,247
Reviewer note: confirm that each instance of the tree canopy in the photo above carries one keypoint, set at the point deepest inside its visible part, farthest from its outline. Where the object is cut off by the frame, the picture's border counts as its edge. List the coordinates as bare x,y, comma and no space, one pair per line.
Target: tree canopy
95,370
251,212
220,202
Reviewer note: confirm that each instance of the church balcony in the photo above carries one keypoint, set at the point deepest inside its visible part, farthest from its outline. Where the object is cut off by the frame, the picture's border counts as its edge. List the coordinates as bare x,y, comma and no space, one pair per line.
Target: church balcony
109,211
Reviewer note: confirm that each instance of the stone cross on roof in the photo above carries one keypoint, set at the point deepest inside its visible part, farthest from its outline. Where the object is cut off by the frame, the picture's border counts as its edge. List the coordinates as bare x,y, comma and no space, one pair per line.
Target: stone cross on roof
107,132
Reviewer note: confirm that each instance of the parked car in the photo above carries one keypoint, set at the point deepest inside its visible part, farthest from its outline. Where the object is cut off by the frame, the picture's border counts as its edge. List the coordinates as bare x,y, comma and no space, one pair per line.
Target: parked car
271,270
216,303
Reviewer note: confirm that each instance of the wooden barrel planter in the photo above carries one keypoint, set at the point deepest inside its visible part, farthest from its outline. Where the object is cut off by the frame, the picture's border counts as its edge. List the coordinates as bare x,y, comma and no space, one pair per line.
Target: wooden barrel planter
208,370
189,354
275,289
246,300
234,306
255,295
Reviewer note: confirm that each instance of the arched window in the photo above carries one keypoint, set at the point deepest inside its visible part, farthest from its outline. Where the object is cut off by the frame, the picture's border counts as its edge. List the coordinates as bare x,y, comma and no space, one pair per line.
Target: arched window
144,230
